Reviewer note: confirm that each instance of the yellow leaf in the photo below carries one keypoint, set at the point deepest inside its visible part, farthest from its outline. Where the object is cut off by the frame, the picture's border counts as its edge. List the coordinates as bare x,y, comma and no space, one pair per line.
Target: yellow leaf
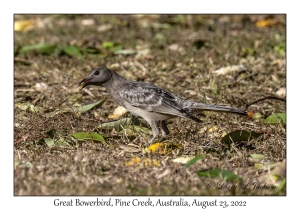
24,25
147,162
154,147
156,163
164,148
134,161
212,129
266,23
202,130
139,162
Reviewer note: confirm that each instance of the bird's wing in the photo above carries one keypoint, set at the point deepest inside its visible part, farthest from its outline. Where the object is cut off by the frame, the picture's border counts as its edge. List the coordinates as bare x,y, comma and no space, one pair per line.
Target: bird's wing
151,98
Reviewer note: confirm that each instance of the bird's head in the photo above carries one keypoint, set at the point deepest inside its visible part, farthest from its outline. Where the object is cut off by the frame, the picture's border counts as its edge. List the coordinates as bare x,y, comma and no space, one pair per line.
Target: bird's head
97,77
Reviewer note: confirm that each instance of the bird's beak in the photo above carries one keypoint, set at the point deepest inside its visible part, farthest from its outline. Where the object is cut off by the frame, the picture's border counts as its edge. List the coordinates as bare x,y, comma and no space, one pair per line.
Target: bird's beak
85,82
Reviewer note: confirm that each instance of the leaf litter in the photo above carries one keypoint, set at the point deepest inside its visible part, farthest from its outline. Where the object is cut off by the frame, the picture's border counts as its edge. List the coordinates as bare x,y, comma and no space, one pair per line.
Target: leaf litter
188,73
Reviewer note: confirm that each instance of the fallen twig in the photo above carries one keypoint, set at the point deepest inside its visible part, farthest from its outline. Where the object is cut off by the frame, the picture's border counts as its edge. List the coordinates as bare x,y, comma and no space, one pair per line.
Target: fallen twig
264,98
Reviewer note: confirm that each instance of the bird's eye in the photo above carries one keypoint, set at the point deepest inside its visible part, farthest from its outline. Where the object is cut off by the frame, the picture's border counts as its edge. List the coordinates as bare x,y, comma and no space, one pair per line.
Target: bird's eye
96,72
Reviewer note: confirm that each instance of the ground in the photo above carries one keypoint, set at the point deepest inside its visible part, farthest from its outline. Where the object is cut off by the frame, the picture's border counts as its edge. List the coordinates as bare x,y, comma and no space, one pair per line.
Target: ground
180,53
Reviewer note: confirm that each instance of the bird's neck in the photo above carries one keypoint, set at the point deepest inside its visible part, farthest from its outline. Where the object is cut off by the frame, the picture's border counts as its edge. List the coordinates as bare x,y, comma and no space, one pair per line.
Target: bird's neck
115,81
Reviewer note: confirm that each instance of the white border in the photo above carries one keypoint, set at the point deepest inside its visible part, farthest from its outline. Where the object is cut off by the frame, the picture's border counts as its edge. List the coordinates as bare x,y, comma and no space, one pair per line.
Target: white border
8,201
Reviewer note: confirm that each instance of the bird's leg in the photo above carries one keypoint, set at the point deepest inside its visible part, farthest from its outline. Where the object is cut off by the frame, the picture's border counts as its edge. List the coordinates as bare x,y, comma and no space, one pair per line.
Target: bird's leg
164,128
155,131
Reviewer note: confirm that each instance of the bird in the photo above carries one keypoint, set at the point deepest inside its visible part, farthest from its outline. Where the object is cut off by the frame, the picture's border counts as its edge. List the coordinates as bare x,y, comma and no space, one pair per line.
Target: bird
156,105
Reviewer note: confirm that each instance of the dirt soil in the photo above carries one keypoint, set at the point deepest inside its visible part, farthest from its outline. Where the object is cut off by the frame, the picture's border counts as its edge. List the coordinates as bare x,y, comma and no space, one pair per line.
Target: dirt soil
180,53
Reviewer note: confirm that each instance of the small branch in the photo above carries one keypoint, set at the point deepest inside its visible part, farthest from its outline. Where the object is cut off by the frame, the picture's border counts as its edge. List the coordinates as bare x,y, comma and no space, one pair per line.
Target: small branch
262,99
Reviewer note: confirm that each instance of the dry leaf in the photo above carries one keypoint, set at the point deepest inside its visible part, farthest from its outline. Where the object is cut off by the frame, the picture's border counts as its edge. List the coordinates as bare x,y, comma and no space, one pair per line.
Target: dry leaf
274,78
104,27
119,111
213,132
41,87
281,92
229,69
23,138
130,149
250,114
176,47
163,174
183,160
88,22
275,175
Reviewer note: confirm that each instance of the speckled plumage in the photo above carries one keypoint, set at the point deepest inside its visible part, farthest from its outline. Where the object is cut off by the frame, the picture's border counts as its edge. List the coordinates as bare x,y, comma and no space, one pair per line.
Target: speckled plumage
152,98
153,103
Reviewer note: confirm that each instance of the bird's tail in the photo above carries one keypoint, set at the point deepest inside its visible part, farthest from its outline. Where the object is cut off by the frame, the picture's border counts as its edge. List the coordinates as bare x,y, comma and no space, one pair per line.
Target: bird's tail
192,107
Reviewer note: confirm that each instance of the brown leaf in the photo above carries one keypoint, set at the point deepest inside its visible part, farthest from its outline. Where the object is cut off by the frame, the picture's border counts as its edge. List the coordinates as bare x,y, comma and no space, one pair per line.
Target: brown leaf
130,149
23,138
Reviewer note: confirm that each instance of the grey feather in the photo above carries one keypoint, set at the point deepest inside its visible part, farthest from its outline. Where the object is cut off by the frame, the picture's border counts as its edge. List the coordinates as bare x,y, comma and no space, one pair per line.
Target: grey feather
153,103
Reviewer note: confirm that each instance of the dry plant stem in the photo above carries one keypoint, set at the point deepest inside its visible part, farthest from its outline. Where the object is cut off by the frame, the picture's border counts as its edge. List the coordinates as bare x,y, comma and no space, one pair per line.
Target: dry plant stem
264,98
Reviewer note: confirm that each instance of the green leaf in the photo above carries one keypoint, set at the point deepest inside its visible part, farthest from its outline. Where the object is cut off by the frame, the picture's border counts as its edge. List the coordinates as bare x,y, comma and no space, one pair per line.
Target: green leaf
58,51
239,135
81,136
218,173
91,106
272,119
117,125
258,166
280,48
112,46
194,160
131,130
73,51
45,49
74,97
92,50
160,37
49,142
257,156
62,142
247,52
179,18
282,186
282,116
257,116
60,111
276,118
120,124
266,166
108,44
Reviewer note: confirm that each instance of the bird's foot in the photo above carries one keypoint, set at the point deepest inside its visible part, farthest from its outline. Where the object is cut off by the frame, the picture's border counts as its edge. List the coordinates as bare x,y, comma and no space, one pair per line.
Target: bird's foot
149,142
159,140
